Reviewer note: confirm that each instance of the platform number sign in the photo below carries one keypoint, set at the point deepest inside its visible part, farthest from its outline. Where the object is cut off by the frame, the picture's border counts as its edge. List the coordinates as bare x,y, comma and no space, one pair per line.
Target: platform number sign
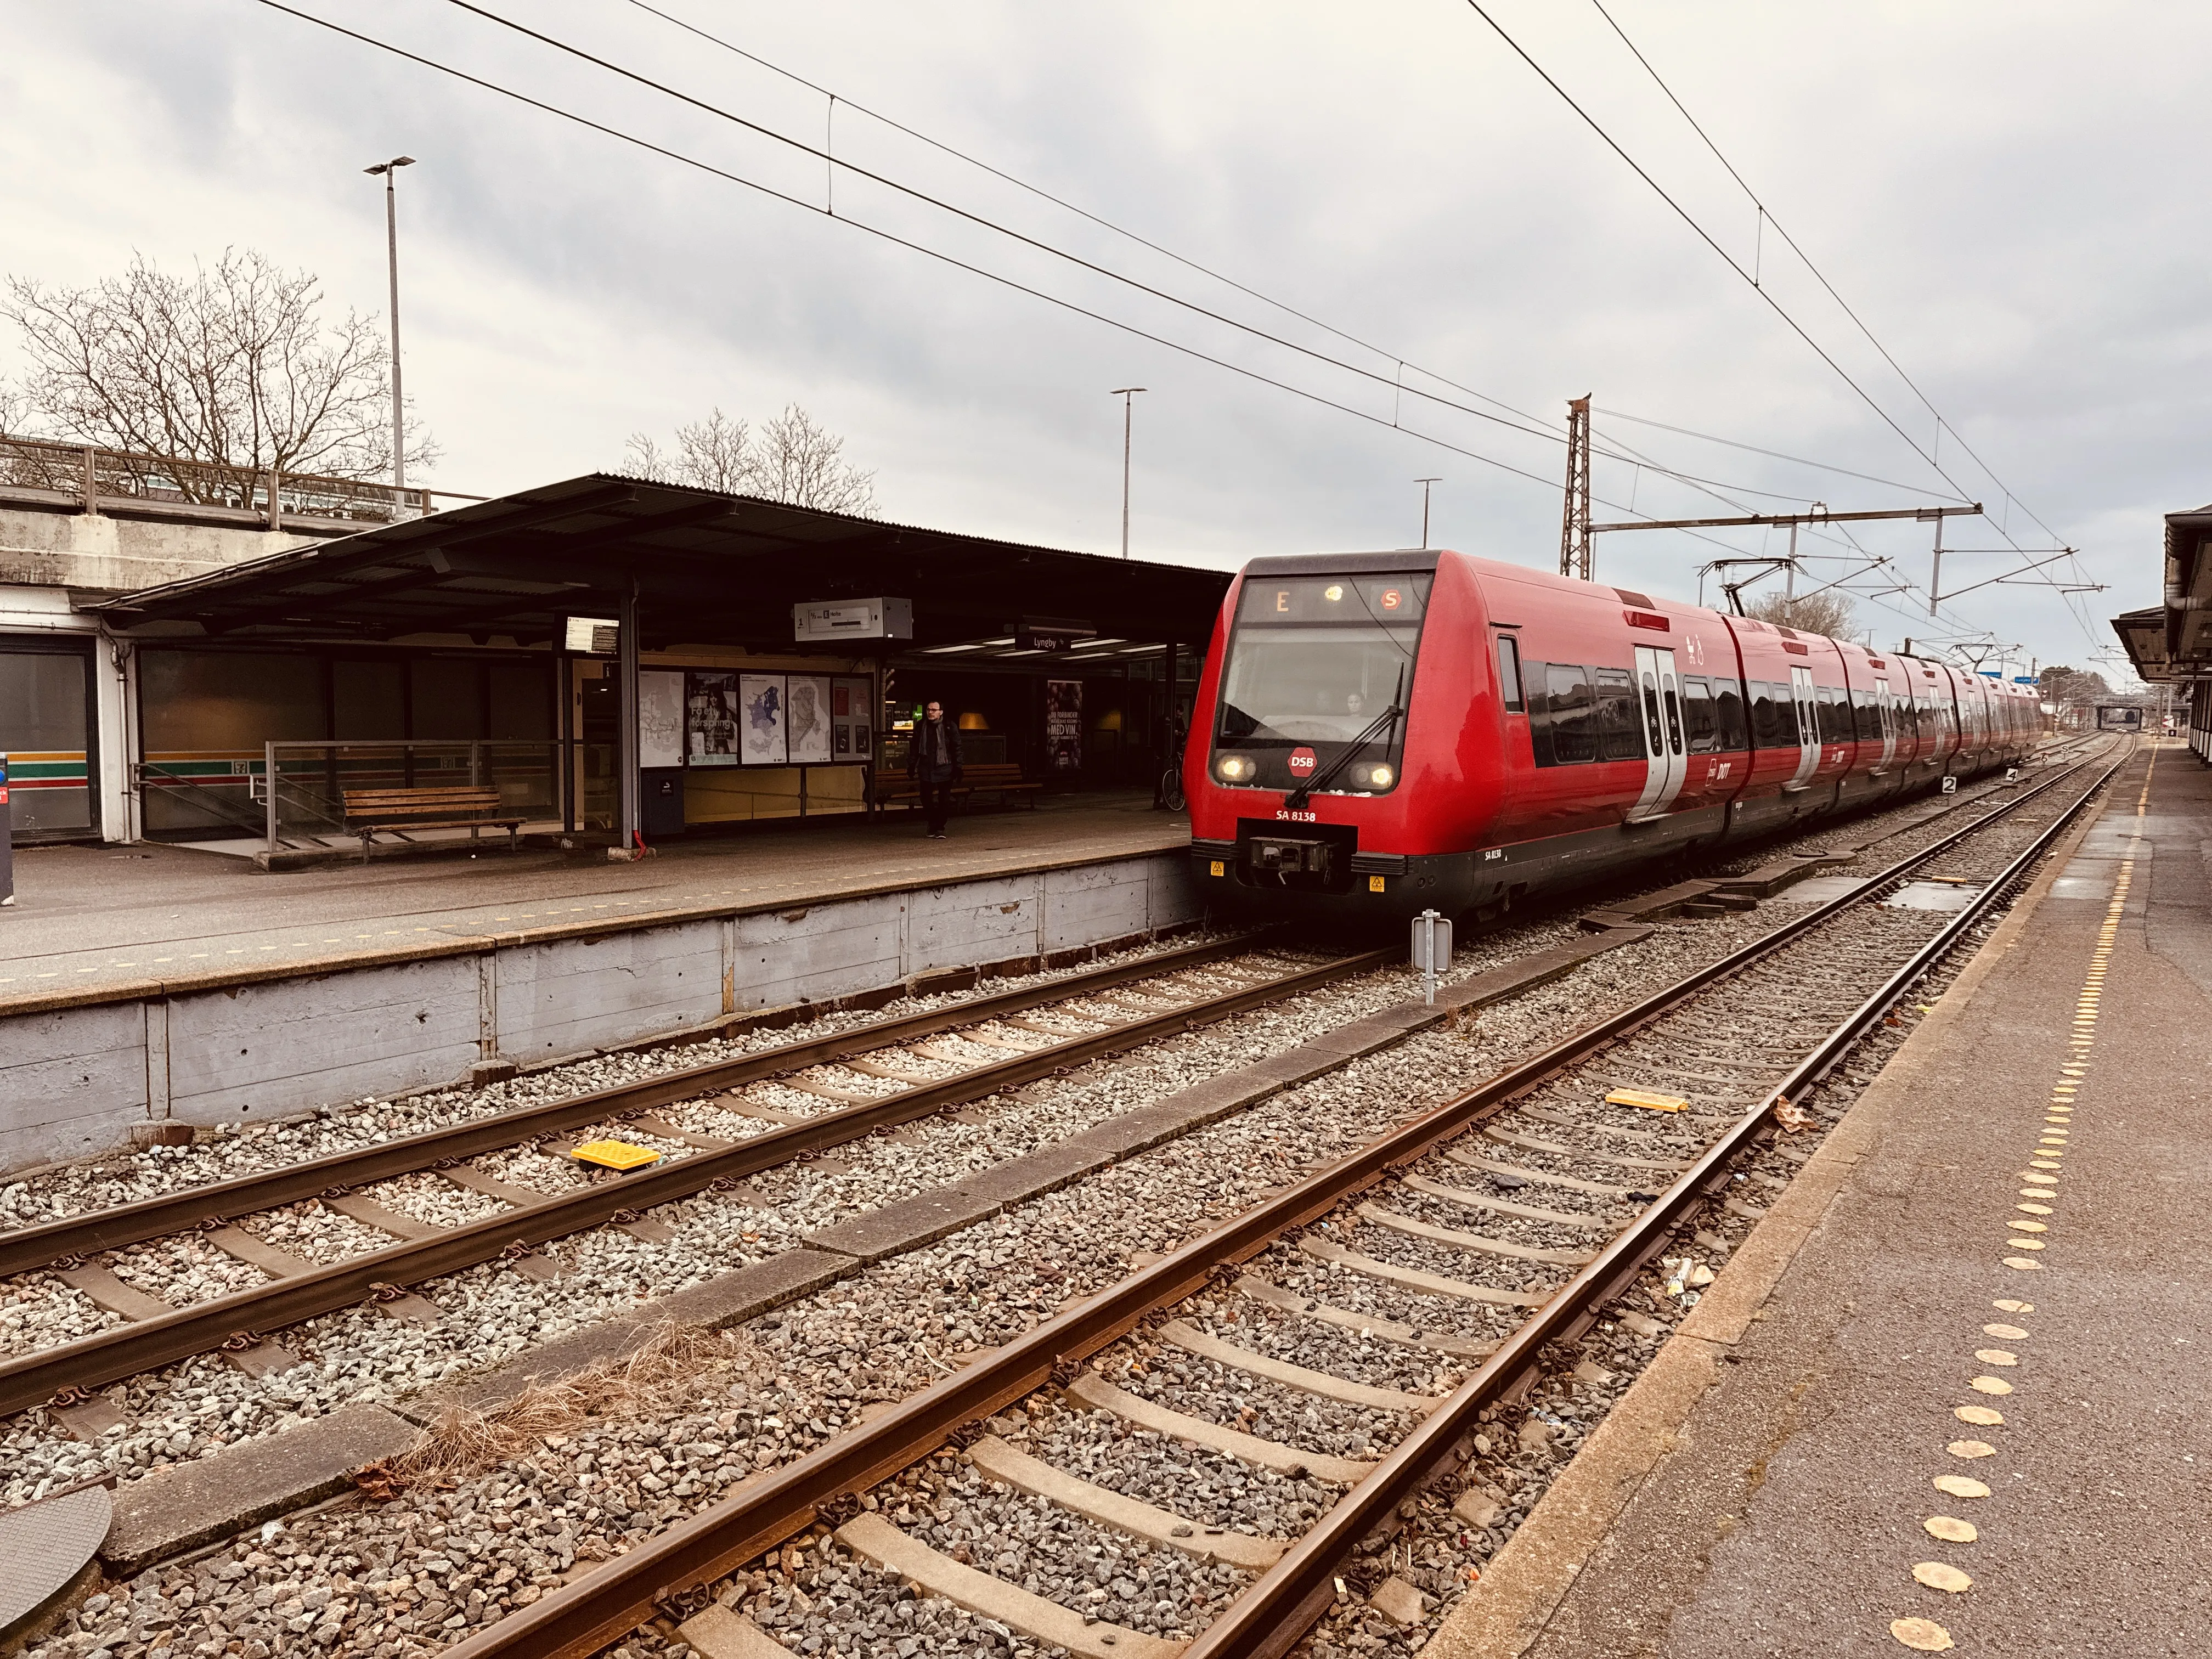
1302,762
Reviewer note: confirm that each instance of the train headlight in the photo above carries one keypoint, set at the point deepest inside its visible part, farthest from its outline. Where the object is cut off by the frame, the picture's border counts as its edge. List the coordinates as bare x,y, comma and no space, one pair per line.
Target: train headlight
1380,777
1235,769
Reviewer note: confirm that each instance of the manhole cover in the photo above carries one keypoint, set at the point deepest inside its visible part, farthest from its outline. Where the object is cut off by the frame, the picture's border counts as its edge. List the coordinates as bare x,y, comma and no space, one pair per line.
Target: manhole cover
43,1547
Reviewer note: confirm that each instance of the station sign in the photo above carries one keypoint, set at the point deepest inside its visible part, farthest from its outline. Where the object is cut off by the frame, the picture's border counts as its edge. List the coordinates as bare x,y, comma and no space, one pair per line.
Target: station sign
853,619
1051,634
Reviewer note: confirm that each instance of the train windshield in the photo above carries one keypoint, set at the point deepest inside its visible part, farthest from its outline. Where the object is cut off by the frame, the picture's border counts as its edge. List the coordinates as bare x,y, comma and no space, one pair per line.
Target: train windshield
1317,664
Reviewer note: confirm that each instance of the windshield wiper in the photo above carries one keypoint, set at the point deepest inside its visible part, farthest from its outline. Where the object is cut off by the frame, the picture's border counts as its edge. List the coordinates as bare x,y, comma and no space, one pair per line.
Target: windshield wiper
1299,797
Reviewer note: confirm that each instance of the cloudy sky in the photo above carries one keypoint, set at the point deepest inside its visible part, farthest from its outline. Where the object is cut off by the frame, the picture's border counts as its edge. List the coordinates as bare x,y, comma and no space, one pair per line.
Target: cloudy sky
2006,195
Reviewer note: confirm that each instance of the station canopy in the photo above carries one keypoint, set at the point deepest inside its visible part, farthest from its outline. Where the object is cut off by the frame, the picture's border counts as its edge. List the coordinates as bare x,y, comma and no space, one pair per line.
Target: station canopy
708,569
2174,641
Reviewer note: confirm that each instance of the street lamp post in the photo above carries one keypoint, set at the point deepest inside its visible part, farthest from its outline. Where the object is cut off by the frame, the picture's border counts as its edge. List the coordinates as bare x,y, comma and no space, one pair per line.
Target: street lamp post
390,170
1127,394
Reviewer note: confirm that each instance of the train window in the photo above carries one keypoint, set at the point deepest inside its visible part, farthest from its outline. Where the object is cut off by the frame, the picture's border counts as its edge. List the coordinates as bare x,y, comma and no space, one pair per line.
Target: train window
1509,674
1728,704
1655,740
1869,717
1700,716
1835,716
1673,721
1774,720
1618,734
1571,714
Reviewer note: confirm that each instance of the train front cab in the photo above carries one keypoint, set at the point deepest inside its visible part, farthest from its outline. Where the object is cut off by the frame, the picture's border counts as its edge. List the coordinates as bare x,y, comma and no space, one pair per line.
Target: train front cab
1371,683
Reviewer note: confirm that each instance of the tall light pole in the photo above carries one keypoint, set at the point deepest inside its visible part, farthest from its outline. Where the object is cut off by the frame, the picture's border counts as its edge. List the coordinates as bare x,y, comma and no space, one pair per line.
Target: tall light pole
1424,483
391,171
1127,394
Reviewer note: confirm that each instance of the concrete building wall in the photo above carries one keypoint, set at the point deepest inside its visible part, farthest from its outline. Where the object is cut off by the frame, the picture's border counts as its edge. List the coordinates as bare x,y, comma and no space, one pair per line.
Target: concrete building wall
119,554
78,1076
45,554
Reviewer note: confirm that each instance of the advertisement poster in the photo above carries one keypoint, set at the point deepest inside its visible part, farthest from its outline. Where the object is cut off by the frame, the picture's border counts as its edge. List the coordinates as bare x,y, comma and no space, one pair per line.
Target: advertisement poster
852,705
807,719
761,720
1063,724
710,719
659,719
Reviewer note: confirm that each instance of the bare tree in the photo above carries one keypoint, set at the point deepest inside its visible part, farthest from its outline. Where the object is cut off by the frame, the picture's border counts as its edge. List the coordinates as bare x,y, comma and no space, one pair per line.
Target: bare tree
802,463
1829,612
791,458
235,367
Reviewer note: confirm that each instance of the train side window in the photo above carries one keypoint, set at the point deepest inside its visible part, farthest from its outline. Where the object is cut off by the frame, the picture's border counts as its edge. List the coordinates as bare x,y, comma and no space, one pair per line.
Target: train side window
1571,717
1700,716
1728,704
1509,674
1620,734
1773,720
1835,716
1867,715
1539,715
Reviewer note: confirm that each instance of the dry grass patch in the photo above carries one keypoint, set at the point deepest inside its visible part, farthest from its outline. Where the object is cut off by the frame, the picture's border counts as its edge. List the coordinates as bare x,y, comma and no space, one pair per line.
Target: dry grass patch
671,1366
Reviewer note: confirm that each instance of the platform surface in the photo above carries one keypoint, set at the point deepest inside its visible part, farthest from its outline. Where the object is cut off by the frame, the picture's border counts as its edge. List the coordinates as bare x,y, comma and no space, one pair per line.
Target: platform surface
1783,1512
89,916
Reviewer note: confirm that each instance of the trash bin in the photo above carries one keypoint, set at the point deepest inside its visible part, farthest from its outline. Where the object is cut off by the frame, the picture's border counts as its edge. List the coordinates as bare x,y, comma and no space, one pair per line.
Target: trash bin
7,839
662,801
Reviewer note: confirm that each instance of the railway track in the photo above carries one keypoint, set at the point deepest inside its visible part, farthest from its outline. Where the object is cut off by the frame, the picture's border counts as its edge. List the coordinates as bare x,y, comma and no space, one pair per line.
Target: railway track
1002,1043
864,1080
1382,1306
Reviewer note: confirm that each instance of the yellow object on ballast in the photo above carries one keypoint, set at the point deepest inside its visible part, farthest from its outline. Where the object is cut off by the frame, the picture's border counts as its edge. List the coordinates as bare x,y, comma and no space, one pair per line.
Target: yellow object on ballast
615,1155
1647,1099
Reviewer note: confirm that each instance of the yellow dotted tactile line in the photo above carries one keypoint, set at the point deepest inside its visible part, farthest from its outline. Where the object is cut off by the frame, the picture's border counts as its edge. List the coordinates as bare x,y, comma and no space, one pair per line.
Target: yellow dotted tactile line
2026,1229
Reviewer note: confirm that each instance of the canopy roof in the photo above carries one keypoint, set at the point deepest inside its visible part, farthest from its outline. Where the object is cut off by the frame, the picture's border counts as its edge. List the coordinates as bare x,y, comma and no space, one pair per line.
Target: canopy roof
2178,643
709,569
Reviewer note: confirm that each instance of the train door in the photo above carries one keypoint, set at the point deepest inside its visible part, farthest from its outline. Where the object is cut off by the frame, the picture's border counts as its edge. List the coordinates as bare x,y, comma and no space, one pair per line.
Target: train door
1809,727
1665,757
1886,703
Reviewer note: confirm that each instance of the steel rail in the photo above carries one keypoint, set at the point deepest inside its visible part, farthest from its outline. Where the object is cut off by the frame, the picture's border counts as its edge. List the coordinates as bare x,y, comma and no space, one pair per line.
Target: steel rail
128,1350
26,1248
1300,1584
583,1616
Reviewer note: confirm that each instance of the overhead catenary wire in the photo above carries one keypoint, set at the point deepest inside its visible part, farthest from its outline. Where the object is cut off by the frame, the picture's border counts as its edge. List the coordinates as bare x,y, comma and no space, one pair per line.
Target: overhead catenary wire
863,228
1215,274
1766,217
953,261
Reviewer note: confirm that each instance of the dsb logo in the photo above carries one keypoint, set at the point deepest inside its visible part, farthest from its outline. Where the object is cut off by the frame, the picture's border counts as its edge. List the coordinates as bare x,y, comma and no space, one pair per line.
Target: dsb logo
1302,762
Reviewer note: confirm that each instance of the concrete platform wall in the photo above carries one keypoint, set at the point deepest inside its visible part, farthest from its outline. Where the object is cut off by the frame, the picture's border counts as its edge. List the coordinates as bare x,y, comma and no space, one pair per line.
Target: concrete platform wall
77,1080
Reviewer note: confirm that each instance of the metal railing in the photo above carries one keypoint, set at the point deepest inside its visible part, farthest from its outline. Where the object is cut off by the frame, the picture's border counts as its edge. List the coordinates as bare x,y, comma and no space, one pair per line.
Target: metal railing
302,783
91,474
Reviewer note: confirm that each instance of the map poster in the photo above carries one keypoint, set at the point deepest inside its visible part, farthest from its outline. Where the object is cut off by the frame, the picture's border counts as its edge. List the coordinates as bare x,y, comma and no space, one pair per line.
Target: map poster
761,717
807,720
1063,724
710,717
659,719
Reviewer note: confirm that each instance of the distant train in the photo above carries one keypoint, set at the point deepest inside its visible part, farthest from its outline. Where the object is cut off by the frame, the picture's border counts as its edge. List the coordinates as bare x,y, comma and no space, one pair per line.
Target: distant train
1378,734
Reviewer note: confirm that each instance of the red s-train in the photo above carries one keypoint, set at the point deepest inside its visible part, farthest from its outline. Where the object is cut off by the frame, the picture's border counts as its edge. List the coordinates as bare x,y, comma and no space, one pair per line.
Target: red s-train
1378,734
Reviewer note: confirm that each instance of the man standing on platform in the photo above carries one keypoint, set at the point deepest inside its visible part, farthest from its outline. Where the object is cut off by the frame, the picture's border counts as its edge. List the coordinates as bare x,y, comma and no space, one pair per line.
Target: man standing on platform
933,761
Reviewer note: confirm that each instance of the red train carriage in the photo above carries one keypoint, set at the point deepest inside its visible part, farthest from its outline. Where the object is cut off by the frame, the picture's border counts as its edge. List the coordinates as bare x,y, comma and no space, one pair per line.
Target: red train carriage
1381,732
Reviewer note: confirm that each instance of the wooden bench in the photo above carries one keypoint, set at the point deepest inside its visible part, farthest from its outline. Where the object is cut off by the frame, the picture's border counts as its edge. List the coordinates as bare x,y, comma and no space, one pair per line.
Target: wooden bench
1001,778
438,807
